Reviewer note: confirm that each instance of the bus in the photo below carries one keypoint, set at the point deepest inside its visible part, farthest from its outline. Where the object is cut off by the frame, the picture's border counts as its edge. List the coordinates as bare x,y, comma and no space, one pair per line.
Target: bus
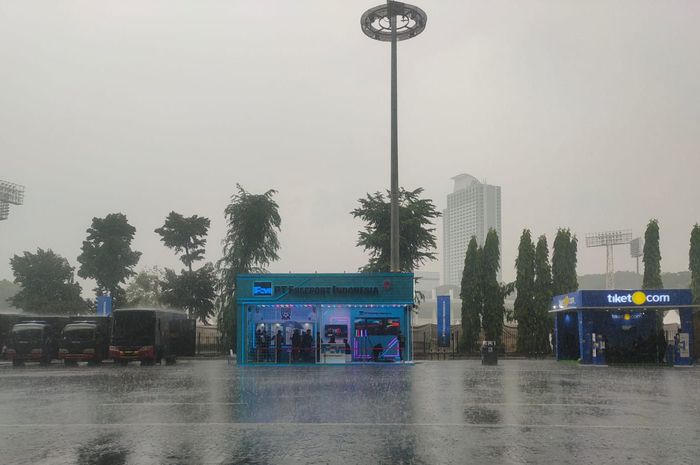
84,339
34,340
151,335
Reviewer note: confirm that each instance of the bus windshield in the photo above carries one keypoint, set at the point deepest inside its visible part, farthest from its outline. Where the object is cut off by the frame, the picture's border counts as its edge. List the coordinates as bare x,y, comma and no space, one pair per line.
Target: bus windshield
134,328
79,334
27,334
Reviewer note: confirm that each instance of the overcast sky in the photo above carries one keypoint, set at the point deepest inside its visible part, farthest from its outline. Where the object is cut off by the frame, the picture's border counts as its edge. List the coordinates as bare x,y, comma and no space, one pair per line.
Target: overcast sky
587,113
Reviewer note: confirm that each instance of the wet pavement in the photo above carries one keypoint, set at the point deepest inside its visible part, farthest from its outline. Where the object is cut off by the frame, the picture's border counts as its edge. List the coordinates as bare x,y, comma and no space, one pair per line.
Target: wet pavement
454,412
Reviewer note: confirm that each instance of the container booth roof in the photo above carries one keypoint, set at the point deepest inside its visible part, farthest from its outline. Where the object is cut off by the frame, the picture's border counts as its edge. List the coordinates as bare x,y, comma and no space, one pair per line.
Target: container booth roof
624,299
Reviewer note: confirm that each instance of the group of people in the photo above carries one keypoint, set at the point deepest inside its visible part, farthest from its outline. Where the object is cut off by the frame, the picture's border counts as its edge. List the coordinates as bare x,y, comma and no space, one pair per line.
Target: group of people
303,347
270,348
263,344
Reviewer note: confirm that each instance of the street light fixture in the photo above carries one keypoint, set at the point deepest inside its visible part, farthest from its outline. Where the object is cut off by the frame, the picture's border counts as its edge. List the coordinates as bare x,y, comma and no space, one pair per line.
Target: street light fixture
390,23
10,194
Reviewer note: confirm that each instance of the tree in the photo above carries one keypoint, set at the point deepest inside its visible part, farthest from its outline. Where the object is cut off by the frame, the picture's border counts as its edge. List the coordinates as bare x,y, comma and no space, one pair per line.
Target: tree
417,236
470,293
145,289
524,307
493,292
7,290
652,257
542,297
193,291
564,278
107,256
48,284
185,234
694,263
251,243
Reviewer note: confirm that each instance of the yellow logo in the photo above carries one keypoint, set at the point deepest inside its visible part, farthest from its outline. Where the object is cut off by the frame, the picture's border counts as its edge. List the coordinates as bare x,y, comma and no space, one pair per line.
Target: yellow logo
627,317
639,298
566,301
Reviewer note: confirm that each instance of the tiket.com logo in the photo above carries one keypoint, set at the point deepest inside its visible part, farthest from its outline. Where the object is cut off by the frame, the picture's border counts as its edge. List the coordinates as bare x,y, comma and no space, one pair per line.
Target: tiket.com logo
638,298
566,301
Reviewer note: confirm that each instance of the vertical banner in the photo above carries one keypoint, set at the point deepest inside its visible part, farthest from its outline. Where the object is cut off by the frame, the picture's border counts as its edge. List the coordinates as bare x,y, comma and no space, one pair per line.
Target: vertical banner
104,305
443,320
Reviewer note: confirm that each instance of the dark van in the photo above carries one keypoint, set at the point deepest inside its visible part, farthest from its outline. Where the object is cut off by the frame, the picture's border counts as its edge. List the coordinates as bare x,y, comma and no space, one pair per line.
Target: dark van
84,341
150,335
33,341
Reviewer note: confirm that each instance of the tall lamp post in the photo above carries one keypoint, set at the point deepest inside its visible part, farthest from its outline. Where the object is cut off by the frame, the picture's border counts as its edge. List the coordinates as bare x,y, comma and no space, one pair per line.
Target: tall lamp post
390,23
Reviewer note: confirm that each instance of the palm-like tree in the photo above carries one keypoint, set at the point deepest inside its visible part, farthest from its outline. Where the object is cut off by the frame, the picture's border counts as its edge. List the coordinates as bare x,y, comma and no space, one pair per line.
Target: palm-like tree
251,243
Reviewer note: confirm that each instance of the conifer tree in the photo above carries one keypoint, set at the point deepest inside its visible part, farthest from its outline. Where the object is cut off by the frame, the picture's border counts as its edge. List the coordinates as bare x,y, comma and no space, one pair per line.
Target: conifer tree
694,264
493,295
564,260
542,297
652,257
524,311
470,293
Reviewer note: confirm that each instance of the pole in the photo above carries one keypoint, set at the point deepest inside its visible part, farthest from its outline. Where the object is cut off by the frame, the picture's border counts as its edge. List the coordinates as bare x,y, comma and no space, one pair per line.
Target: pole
395,267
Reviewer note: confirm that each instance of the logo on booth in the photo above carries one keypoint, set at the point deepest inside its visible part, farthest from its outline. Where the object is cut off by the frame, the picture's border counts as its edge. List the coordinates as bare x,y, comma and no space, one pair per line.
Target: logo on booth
567,301
639,298
262,288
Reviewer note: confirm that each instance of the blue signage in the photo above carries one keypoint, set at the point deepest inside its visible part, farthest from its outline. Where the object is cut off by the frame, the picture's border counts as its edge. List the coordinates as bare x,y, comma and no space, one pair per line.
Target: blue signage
262,288
332,288
623,298
443,320
104,305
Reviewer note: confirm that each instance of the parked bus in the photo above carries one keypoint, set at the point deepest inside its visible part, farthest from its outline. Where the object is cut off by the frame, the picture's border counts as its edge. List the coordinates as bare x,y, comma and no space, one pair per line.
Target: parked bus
7,321
34,341
85,339
151,335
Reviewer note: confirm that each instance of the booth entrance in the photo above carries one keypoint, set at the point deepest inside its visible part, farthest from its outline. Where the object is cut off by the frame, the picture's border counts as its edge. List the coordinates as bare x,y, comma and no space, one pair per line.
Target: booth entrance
324,318
623,326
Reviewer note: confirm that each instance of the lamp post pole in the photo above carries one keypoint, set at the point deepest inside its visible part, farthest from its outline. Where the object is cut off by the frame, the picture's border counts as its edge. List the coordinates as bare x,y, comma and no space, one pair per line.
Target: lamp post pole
393,22
395,263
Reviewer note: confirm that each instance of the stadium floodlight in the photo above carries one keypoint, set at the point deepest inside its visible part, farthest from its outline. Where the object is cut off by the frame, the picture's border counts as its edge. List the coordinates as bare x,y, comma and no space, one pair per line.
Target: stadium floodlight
10,194
637,249
392,22
608,239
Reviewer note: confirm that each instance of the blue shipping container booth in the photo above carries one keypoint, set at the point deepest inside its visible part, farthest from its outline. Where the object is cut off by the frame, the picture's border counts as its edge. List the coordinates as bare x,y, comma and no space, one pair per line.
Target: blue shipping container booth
324,318
601,326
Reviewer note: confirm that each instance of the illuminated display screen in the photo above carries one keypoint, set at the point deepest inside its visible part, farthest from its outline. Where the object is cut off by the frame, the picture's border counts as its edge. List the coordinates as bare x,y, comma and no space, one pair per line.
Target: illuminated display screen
340,331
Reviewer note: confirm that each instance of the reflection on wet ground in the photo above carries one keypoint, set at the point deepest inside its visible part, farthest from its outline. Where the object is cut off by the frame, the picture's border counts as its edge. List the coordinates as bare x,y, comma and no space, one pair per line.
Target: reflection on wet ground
431,413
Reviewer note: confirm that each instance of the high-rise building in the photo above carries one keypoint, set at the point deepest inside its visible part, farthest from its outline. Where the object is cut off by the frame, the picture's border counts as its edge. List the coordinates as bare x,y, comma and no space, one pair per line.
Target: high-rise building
472,209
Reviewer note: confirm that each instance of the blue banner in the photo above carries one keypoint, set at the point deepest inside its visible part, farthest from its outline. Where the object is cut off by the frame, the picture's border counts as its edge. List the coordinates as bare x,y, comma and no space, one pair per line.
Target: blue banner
443,320
104,305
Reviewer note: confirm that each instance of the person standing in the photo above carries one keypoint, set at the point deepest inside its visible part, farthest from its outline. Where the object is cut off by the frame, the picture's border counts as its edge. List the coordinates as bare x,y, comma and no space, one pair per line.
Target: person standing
348,351
306,344
296,345
279,341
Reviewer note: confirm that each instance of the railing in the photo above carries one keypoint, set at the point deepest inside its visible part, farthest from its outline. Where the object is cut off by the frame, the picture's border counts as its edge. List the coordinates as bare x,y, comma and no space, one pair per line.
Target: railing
208,341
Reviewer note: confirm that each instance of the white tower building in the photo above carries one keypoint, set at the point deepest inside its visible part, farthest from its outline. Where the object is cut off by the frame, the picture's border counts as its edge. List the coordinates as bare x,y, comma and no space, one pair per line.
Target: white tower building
472,209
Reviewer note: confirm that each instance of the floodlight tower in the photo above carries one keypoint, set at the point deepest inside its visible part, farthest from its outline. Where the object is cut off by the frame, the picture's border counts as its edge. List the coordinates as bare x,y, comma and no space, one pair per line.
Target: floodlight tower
608,239
637,249
10,194
390,23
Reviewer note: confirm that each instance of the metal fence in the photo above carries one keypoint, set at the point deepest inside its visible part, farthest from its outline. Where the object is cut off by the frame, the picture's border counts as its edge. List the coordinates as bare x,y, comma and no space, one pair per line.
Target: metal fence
209,341
425,340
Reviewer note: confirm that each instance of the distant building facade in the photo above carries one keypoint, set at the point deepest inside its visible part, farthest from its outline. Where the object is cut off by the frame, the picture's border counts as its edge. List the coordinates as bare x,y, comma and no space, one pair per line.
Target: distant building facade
426,283
472,209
